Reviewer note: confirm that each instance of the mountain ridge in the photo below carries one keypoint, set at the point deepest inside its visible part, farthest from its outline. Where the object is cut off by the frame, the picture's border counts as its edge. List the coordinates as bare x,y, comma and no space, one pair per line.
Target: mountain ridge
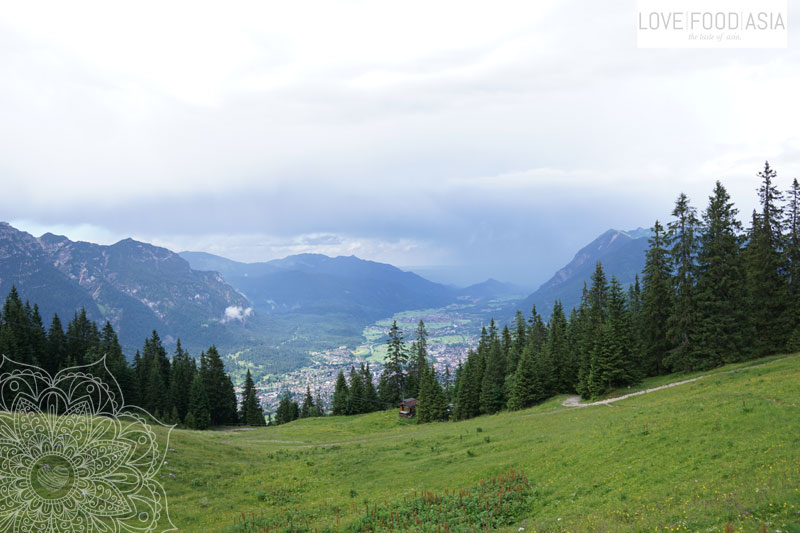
622,254
136,286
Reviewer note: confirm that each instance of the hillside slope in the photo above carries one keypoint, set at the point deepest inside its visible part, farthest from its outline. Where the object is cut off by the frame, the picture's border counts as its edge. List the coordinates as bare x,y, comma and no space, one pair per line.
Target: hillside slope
692,457
622,254
136,286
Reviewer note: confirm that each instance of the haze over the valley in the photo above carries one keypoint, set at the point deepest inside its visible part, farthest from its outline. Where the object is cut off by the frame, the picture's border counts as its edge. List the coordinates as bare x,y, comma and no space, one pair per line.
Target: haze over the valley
494,138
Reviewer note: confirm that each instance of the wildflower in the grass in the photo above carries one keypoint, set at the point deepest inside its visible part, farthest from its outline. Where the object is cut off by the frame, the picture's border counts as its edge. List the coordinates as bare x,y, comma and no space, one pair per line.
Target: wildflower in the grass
73,457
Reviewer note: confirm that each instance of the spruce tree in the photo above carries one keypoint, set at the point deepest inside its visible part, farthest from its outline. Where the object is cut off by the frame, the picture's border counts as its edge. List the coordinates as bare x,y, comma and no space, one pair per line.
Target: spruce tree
199,415
341,394
118,367
594,308
57,348
356,397
528,385
657,301
418,359
432,405
564,367
307,409
287,410
82,334
624,368
682,239
492,397
371,402
251,414
183,369
219,388
792,254
468,404
394,367
153,369
767,289
720,297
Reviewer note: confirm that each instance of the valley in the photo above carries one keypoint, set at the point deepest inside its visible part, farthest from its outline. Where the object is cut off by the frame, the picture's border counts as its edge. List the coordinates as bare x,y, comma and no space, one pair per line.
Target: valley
452,332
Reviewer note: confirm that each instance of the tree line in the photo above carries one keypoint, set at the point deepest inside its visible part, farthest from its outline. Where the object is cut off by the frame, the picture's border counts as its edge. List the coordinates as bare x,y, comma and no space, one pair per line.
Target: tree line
407,373
711,293
177,391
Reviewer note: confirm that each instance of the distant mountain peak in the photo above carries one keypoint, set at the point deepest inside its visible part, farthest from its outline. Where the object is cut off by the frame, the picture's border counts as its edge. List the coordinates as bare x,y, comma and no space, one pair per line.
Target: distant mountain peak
622,255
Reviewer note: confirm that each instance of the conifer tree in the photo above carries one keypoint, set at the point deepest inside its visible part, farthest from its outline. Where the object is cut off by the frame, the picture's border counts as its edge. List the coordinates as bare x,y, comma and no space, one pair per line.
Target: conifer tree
720,297
604,367
418,359
219,388
56,348
307,409
519,339
153,369
492,397
341,394
251,414
468,401
624,368
792,248
288,410
37,337
371,402
356,404
682,239
528,386
392,392
594,308
115,362
657,301
319,406
564,368
182,372
81,336
199,415
13,327
767,290
432,405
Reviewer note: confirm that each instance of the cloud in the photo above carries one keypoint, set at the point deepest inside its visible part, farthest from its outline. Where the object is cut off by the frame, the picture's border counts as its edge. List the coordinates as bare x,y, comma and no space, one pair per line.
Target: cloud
500,139
236,313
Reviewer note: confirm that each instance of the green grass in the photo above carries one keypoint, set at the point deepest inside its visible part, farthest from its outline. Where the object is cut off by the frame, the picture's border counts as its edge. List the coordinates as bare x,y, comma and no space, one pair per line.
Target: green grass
379,353
448,339
724,449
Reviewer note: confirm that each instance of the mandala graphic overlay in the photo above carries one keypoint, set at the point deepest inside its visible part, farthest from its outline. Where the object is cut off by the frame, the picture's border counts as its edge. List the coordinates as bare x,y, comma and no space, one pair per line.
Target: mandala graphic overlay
73,457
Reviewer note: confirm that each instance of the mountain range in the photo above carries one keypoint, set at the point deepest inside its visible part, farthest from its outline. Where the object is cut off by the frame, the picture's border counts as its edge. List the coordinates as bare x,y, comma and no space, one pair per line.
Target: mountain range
272,311
136,286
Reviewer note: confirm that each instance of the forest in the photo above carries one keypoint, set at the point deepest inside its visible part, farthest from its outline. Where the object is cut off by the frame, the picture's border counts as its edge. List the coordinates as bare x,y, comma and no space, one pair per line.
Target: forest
174,390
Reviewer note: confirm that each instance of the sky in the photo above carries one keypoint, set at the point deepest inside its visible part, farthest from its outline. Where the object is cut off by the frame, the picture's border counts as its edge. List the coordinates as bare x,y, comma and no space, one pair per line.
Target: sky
472,139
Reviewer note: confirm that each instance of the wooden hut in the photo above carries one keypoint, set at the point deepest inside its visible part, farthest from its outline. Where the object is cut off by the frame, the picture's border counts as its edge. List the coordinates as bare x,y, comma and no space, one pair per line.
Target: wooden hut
408,408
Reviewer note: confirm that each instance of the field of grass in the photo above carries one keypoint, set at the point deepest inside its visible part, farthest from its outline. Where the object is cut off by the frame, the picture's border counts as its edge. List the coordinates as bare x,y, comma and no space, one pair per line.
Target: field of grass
379,353
724,450
448,339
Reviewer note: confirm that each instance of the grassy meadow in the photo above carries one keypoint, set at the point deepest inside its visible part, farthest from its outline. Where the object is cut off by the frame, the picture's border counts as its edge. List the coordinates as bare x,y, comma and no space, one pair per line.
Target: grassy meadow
718,454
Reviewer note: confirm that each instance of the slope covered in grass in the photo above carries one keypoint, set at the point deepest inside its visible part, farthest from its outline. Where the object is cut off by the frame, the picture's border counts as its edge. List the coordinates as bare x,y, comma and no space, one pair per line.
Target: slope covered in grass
724,449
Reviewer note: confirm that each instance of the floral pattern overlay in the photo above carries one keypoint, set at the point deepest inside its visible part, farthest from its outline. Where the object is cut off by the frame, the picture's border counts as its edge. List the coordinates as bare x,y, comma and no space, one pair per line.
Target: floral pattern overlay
73,457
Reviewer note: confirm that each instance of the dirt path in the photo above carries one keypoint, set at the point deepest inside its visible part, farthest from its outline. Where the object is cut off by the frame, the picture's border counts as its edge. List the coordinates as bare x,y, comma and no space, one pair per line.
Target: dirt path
575,401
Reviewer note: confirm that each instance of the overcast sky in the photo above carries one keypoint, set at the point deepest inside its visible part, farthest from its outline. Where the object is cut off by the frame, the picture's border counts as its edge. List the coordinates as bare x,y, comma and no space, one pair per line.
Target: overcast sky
496,137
